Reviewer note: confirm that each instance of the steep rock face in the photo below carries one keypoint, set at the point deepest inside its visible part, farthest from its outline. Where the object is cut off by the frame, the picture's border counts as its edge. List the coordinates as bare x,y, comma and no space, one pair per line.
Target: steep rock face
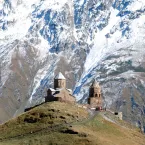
84,39
117,61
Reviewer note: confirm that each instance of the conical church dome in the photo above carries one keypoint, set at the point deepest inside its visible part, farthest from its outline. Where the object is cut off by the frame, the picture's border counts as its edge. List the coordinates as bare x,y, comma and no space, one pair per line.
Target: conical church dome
95,84
60,76
59,81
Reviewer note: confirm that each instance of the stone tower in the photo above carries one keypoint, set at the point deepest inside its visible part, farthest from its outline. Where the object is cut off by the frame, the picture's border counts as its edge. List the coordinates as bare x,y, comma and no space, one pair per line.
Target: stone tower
95,98
59,81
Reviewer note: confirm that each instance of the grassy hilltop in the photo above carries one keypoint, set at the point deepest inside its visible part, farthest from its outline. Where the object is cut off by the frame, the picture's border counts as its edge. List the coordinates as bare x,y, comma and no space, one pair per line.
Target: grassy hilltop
59,123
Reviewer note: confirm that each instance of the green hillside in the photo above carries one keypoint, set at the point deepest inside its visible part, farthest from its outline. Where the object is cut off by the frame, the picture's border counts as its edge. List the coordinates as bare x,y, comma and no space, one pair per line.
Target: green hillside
64,124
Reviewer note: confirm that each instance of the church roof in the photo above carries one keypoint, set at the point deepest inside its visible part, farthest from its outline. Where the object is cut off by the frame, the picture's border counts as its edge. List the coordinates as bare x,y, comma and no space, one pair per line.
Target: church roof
60,76
52,89
70,90
95,84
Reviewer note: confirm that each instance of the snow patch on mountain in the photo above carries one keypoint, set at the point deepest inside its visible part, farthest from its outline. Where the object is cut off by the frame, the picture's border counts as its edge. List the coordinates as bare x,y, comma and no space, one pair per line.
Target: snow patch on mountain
136,5
85,39
101,44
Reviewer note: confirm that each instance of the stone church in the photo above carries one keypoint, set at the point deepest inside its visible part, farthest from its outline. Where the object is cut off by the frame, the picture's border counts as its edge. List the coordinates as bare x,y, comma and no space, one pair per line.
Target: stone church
95,98
60,92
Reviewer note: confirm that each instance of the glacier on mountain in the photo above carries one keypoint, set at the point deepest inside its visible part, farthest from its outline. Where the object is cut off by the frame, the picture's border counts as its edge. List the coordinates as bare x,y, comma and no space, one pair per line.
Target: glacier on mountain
85,39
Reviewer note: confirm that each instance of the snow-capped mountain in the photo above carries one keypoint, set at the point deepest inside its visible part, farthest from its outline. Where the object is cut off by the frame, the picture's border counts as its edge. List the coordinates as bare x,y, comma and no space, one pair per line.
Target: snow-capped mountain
84,39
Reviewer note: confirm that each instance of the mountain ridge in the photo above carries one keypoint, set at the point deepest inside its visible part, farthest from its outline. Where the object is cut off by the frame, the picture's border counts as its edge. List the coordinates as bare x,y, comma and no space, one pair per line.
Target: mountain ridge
84,40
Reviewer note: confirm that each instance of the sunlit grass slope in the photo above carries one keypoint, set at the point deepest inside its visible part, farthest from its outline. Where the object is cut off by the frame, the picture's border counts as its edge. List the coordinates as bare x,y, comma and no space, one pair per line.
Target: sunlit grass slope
64,124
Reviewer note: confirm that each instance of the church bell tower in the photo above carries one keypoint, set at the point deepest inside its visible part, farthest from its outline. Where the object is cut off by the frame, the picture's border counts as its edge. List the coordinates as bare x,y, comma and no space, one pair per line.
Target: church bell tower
59,81
95,98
